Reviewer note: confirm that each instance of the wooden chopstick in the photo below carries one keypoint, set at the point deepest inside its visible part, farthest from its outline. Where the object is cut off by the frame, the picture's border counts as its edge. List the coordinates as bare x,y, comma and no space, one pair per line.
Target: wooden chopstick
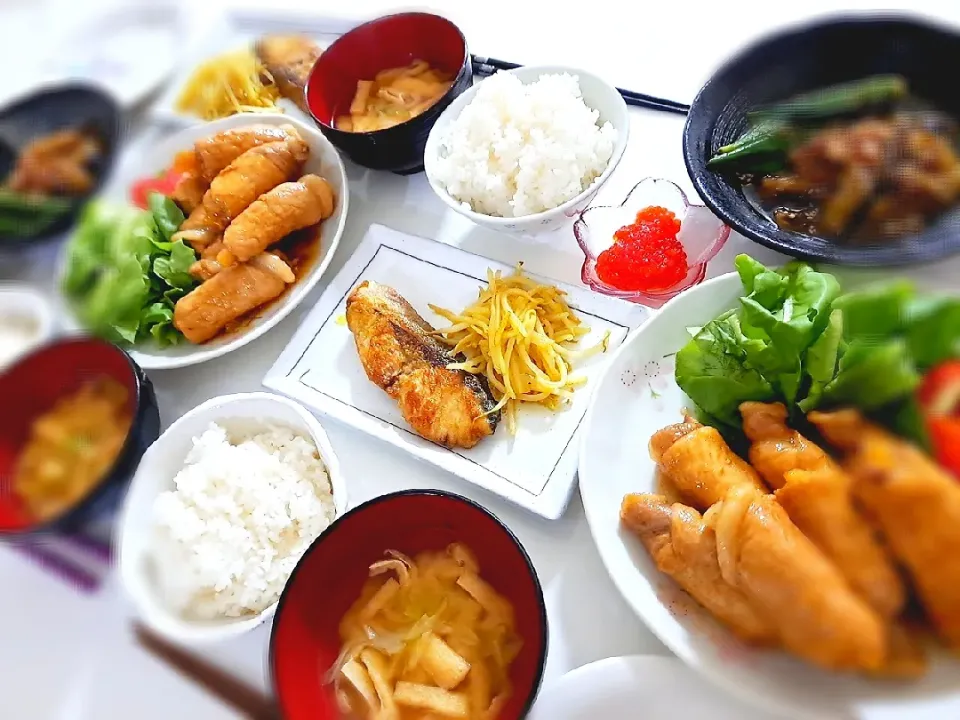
484,66
243,698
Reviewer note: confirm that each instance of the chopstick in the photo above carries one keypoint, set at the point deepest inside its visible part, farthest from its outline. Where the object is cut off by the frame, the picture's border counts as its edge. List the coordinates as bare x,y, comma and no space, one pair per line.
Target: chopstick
484,66
248,701
72,573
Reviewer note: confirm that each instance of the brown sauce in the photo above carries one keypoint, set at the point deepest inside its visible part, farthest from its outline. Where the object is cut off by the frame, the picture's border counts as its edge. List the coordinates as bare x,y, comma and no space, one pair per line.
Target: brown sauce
300,250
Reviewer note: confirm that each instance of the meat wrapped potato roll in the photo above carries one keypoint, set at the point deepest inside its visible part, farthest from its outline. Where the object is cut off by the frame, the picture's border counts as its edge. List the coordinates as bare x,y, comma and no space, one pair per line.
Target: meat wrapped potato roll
684,548
701,465
255,172
233,292
791,583
277,213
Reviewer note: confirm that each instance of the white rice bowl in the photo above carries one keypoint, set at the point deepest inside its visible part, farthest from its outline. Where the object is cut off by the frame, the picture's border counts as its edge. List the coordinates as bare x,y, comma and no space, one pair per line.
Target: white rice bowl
520,149
245,508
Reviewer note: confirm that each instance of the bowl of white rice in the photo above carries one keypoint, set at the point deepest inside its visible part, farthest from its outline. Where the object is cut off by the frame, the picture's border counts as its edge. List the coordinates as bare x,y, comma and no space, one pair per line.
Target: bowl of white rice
526,150
220,511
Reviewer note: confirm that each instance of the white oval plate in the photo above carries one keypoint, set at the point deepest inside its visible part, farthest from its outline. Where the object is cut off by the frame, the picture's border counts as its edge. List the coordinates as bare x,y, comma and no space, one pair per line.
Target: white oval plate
635,397
323,161
627,688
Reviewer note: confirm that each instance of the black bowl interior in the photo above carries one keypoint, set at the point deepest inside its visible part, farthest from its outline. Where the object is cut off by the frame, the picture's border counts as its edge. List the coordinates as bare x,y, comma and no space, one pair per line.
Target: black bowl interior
60,108
33,385
807,58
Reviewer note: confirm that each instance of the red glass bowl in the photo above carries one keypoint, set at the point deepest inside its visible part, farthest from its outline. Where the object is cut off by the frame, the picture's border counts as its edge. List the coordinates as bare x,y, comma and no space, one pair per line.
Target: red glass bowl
305,641
702,235
32,386
387,42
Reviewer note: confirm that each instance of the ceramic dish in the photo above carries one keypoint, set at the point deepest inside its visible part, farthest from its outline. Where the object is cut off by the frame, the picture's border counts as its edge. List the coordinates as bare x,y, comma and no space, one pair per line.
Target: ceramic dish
324,161
236,28
31,386
161,463
597,95
62,106
27,321
637,396
701,234
320,367
136,50
305,638
388,42
613,689
806,58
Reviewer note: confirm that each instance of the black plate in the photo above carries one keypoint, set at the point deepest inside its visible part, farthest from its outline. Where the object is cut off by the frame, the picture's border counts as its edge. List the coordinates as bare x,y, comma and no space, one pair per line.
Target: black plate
807,58
59,108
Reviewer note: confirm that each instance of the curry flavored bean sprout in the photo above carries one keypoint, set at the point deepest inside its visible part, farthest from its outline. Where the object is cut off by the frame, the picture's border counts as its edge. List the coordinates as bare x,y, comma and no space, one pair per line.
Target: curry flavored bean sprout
235,82
519,335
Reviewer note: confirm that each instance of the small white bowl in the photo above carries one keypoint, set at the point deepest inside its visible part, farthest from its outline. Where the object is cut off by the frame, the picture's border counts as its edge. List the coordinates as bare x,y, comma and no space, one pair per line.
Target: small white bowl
22,304
160,464
324,161
596,94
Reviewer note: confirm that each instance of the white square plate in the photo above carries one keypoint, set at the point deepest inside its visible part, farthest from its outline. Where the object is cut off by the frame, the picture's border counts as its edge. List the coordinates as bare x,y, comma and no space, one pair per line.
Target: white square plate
320,368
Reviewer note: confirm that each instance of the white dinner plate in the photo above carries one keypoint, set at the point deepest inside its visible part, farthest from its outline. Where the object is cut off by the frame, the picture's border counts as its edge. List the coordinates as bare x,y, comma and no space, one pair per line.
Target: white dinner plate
636,397
129,51
323,161
320,368
640,686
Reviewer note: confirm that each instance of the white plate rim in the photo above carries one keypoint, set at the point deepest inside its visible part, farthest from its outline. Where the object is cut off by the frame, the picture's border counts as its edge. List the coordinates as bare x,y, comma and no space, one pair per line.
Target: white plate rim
331,237
727,284
553,499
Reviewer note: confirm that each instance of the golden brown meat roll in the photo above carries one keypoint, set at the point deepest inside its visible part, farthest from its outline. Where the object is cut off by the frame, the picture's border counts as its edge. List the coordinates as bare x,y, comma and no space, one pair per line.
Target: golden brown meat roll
820,503
702,466
790,582
288,207
776,448
916,505
229,294
684,548
253,173
216,152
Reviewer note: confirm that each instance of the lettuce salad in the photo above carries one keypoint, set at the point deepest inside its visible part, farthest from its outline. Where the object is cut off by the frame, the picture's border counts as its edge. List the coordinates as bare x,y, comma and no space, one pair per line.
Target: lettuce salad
796,338
124,275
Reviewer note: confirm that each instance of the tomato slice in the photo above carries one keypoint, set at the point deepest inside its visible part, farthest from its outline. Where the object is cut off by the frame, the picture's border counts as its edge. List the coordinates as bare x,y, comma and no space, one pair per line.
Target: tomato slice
939,396
945,438
163,184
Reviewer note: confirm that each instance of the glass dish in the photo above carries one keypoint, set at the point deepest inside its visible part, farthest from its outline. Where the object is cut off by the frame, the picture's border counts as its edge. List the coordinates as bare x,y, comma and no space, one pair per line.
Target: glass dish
702,235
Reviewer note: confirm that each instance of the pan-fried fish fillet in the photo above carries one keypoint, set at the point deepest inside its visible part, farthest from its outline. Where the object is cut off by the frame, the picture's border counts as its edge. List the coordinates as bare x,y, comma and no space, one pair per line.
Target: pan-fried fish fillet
289,60
400,355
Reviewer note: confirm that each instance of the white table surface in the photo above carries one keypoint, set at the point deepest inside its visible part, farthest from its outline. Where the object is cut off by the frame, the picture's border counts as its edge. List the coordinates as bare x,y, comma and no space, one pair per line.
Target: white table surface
64,655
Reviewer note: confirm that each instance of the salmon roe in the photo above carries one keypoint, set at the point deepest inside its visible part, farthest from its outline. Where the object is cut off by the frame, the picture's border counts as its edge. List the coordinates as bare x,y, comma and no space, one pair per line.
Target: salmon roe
646,255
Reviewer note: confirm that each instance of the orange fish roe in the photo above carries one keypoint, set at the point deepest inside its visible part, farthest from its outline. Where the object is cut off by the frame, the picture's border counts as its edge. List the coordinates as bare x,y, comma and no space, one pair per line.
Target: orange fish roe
646,255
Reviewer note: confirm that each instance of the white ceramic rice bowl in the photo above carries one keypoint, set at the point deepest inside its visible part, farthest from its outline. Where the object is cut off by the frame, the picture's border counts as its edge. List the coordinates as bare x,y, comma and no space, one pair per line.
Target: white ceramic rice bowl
158,467
597,95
